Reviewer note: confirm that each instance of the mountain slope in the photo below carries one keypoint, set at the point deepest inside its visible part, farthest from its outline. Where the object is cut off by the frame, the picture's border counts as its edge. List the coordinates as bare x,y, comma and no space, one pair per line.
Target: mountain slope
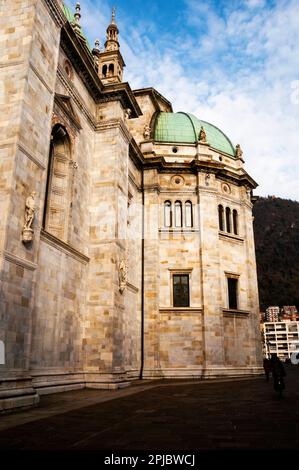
276,231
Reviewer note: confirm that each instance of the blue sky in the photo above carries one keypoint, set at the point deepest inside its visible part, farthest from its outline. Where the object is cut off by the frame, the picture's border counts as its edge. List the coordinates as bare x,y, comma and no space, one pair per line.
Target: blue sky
233,63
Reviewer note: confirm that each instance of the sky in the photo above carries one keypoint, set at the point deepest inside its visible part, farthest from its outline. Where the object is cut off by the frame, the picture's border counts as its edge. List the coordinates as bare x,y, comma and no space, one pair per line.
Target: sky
234,63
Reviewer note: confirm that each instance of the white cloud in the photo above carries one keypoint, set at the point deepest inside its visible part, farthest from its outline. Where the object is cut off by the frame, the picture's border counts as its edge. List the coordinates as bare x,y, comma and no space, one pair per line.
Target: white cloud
237,74
255,3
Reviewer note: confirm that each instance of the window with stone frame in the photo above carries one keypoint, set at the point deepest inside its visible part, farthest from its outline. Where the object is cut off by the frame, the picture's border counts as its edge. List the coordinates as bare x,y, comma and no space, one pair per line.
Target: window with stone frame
235,222
232,288
221,217
228,220
181,294
167,214
57,200
188,214
178,215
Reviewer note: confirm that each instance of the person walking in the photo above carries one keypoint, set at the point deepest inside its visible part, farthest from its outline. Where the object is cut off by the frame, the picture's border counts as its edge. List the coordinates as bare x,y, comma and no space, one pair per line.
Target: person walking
278,374
267,367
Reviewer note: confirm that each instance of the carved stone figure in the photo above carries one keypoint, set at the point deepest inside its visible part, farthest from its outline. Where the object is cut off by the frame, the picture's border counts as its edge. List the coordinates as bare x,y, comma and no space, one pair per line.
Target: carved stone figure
202,135
147,132
27,234
128,113
123,275
239,151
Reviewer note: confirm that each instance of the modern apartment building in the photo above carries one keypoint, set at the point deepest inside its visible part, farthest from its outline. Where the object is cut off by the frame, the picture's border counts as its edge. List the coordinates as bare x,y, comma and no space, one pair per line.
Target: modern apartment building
281,338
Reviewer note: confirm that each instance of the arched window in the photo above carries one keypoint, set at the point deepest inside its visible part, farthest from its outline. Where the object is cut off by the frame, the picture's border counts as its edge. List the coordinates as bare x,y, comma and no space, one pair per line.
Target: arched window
178,216
57,202
221,217
235,222
111,70
188,214
104,70
228,220
167,214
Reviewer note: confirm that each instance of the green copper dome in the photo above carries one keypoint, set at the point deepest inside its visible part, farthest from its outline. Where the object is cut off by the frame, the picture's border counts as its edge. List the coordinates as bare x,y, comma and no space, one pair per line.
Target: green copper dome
185,128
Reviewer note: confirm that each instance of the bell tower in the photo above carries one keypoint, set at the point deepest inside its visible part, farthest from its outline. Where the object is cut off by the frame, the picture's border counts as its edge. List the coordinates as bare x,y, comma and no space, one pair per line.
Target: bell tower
110,61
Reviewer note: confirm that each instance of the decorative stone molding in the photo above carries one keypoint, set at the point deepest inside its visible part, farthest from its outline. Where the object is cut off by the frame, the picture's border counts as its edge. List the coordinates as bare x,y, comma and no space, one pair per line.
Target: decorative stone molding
64,247
227,312
19,261
31,157
225,188
178,181
38,75
181,311
56,12
230,237
64,103
30,208
114,124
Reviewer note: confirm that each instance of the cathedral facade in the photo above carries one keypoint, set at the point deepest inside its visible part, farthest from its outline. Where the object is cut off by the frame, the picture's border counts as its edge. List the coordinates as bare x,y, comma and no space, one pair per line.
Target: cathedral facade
126,239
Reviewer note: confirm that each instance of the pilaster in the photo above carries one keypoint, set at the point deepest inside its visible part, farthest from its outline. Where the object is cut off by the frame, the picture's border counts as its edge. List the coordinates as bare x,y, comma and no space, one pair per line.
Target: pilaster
28,73
103,333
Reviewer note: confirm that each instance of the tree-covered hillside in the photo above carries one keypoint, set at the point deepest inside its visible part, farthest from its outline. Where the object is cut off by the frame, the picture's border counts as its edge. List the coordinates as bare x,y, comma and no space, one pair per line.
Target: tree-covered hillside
276,230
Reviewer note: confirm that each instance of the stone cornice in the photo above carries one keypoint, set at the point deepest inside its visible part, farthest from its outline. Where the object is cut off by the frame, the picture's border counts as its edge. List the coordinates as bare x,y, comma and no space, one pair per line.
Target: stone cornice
230,199
228,312
180,310
36,72
230,237
82,60
123,93
64,247
56,12
195,166
112,124
12,258
155,96
33,158
241,179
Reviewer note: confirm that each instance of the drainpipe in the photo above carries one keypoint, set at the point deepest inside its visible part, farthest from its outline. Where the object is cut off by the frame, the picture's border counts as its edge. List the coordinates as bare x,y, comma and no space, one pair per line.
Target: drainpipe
142,282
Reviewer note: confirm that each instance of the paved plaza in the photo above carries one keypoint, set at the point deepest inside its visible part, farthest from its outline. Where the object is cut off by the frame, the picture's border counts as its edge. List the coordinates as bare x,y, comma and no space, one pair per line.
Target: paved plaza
161,415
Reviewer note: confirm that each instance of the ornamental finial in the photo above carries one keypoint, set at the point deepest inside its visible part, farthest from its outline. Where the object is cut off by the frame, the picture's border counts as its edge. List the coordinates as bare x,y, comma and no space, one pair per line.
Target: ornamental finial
97,45
113,15
77,15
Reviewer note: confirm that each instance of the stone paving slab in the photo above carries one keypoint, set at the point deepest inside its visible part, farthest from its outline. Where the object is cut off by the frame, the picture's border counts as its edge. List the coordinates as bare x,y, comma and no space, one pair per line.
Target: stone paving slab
219,415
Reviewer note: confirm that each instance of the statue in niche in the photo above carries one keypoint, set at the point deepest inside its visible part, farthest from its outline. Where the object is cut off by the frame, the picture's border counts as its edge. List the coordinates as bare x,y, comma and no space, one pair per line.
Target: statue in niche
202,135
123,275
147,132
30,207
239,151
128,113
